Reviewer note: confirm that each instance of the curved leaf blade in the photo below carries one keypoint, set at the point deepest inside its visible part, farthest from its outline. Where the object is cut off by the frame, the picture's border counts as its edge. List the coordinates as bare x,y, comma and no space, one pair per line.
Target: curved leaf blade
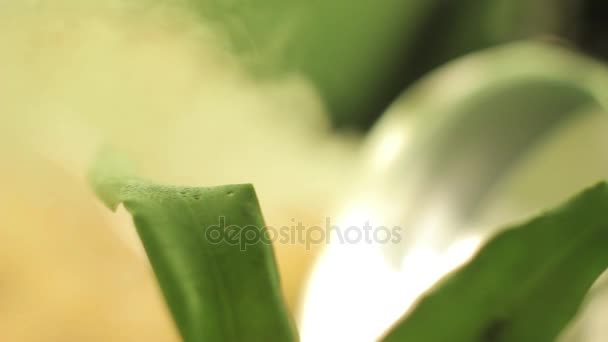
524,285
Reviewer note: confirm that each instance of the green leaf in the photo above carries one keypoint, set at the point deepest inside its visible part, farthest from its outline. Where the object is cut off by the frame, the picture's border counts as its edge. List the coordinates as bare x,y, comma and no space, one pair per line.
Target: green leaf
210,253
524,285
351,50
360,54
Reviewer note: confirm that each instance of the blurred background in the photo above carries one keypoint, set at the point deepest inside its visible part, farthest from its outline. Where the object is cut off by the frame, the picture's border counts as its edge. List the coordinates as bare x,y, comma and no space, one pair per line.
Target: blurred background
447,118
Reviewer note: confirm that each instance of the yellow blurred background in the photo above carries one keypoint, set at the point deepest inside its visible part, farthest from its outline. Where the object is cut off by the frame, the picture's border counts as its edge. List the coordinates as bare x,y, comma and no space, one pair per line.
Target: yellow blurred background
153,82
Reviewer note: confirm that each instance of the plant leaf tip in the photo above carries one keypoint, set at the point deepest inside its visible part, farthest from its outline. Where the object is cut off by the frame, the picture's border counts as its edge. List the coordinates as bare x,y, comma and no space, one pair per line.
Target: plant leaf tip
109,173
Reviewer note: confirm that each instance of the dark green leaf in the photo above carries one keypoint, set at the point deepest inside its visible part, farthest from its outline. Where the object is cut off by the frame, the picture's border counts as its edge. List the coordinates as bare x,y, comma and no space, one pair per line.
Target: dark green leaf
524,285
219,286
360,54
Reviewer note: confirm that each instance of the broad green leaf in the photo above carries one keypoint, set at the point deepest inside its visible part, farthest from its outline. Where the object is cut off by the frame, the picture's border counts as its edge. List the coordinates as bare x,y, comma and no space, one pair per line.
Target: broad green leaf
360,54
350,49
524,285
210,253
